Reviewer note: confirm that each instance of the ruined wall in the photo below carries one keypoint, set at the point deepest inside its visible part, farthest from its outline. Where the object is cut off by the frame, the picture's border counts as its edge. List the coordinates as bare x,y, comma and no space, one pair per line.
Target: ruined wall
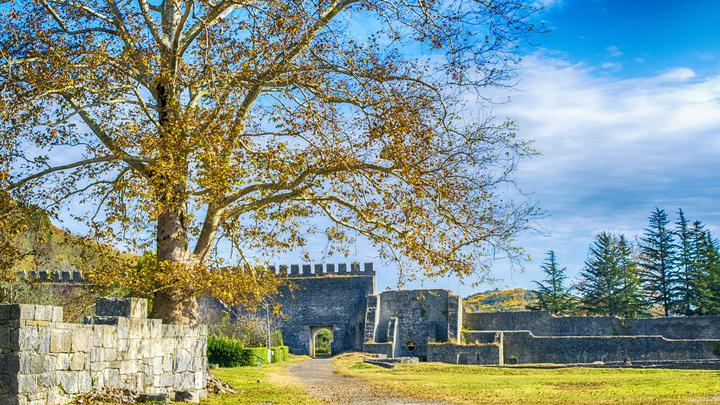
542,323
330,295
524,347
485,354
46,361
415,317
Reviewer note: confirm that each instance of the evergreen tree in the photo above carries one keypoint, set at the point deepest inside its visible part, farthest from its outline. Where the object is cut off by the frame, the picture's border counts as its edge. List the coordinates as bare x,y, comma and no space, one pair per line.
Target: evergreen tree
552,294
684,263
611,283
706,271
657,254
632,301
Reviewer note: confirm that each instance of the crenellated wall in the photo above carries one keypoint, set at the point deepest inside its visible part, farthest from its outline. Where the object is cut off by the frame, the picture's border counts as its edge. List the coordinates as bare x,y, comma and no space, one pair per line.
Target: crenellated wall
44,360
333,296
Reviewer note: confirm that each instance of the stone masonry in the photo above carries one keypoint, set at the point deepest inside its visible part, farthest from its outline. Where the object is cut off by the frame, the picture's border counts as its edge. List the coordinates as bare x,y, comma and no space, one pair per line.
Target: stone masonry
329,296
46,361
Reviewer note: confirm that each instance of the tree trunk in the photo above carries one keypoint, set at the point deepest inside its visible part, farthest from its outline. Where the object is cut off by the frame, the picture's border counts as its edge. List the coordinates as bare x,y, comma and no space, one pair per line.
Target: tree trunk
173,305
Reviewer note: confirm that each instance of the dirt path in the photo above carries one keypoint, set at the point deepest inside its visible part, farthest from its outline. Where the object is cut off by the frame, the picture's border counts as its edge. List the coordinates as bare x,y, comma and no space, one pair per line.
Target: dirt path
319,377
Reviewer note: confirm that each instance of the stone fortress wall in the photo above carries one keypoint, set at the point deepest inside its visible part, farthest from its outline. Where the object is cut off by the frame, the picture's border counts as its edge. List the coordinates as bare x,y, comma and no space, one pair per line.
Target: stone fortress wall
332,296
403,323
543,323
540,337
431,324
46,361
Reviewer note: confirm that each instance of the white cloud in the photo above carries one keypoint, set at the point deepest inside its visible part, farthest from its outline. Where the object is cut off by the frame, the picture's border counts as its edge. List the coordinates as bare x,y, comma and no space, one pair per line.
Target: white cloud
613,149
614,51
613,66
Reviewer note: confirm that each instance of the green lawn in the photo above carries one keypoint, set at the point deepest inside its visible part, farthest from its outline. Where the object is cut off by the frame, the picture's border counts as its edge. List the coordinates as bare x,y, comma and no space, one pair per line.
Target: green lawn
486,385
266,385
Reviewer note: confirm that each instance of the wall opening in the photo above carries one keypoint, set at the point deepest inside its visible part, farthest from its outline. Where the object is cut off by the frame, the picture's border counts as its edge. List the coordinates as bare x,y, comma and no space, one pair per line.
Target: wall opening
321,338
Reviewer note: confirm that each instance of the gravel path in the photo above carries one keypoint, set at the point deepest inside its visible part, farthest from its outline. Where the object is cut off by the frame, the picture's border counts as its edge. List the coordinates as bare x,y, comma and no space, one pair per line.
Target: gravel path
322,382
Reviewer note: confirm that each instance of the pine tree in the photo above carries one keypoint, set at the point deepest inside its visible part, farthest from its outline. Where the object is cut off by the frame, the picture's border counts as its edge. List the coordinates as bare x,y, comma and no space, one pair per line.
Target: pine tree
706,271
631,297
611,283
684,263
552,294
601,285
657,254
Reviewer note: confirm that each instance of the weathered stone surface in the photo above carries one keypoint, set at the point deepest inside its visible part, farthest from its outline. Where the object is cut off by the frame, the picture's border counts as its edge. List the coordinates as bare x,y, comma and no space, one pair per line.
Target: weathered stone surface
125,307
43,360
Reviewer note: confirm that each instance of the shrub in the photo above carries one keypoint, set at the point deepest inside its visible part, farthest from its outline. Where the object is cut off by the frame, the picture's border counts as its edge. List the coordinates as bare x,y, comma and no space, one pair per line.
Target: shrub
228,352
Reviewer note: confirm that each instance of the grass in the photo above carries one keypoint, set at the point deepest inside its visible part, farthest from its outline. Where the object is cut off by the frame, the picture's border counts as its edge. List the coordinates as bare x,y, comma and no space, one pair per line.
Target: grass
265,385
514,385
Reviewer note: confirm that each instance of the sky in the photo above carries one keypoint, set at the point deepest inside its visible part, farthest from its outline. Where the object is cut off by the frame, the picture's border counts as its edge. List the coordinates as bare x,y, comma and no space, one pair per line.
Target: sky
622,99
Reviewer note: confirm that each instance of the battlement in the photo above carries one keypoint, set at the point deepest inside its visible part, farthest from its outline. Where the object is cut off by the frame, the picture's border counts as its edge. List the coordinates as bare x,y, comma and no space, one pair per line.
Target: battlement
65,277
328,269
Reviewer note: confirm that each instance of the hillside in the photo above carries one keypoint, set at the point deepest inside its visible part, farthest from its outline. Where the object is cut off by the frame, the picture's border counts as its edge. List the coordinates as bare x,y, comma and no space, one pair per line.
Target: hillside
516,299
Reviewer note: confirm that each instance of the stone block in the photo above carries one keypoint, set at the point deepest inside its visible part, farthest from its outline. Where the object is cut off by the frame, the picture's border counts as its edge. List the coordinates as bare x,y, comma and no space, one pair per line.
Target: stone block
6,312
8,385
78,361
135,328
43,313
84,381
9,363
26,383
29,338
129,367
154,328
60,341
81,340
187,396
9,400
9,338
31,363
182,361
110,354
112,377
121,307
62,361
68,381
164,380
200,380
46,379
22,312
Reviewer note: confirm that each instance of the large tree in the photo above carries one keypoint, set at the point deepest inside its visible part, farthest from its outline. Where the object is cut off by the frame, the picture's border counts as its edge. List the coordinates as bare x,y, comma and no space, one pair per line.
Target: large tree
610,283
180,123
657,261
684,263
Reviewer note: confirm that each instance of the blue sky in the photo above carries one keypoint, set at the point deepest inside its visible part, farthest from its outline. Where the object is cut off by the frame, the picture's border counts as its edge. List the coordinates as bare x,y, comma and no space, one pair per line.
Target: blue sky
622,99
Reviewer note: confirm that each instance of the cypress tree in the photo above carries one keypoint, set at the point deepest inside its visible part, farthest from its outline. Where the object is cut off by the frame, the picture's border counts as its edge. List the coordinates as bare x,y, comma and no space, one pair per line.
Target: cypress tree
657,257
552,294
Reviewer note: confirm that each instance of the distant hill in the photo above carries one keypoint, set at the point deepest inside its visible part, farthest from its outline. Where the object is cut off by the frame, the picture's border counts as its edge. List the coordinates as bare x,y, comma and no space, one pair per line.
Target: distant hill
516,299
43,246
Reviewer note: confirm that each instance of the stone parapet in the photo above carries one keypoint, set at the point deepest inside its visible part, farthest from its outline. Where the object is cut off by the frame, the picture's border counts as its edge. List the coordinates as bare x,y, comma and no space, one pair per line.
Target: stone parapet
328,269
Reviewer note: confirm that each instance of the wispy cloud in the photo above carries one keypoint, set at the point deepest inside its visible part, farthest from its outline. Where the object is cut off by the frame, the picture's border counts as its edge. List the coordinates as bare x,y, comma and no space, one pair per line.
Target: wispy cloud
614,51
612,149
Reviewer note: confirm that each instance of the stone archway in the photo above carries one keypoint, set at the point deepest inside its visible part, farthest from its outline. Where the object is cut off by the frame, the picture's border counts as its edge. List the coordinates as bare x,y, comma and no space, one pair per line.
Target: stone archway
321,341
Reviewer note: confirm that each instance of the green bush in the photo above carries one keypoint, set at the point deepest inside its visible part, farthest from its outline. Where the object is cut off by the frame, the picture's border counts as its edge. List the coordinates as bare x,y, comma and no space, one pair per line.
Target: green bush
230,352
